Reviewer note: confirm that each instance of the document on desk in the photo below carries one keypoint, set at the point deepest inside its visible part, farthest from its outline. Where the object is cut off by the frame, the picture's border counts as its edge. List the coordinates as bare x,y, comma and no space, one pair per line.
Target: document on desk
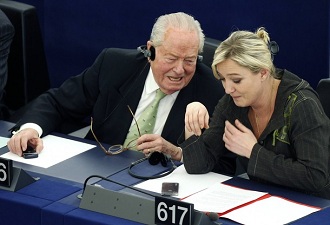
248,207
271,211
222,197
189,183
56,149
3,141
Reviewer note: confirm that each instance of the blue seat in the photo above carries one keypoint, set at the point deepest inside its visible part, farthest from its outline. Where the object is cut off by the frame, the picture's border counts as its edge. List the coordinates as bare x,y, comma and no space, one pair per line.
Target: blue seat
27,67
210,45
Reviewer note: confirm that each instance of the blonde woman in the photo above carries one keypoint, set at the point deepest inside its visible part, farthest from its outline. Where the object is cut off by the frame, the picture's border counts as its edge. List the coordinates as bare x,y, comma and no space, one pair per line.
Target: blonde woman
271,119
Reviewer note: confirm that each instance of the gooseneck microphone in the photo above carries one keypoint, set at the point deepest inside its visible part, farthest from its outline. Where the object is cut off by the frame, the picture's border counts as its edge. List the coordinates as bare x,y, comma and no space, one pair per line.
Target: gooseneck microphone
115,182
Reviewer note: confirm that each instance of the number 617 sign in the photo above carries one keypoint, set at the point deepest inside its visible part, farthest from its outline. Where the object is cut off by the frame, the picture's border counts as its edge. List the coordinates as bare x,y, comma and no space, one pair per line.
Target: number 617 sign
6,168
173,212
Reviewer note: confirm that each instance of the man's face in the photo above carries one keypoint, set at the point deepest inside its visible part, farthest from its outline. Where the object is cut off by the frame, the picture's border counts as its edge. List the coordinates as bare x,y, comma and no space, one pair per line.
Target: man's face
175,60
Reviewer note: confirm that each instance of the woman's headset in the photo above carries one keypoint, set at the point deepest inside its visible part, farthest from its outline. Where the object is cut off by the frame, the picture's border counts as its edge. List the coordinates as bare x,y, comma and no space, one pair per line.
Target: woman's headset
273,48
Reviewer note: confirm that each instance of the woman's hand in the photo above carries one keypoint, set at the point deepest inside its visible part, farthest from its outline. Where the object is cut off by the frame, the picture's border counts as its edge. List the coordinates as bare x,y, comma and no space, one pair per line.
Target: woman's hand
239,139
196,119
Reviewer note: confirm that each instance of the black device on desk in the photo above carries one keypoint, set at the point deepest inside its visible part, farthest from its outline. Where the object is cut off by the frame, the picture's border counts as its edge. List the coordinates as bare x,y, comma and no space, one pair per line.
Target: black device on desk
153,159
170,188
30,153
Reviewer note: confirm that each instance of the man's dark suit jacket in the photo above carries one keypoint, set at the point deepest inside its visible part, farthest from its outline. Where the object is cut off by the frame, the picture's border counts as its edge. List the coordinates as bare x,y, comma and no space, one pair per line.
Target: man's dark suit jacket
103,91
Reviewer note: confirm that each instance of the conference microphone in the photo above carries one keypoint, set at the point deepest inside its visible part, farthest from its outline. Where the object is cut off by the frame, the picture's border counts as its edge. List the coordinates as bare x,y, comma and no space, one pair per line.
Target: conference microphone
213,216
80,196
98,199
208,218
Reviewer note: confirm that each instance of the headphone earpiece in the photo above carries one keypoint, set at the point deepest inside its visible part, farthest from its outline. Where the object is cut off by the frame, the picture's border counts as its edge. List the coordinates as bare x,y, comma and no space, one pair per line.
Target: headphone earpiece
148,53
273,48
157,157
152,54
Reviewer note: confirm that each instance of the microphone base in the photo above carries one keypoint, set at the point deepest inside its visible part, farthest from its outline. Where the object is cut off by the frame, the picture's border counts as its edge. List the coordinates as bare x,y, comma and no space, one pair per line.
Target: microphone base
201,218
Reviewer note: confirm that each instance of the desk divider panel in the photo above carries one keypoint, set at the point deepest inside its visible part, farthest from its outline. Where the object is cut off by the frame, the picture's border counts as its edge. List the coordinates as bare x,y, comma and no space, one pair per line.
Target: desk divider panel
118,204
128,206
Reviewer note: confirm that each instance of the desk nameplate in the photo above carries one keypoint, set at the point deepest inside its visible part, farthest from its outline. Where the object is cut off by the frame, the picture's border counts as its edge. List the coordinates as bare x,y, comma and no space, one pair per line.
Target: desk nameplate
12,178
6,172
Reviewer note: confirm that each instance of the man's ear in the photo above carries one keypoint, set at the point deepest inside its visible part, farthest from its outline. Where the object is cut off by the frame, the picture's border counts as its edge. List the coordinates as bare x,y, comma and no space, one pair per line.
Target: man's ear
149,44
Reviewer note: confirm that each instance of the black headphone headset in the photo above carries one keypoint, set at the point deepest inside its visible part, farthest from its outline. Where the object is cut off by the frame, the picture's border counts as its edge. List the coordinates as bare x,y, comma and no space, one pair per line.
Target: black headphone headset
148,53
151,53
273,48
154,159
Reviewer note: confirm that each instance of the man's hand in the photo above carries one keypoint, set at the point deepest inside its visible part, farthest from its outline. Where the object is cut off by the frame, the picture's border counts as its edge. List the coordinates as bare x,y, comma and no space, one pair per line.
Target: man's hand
19,141
149,143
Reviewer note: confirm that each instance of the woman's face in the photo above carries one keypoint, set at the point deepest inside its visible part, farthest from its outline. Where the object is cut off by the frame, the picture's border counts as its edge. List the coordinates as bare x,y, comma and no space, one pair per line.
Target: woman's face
240,83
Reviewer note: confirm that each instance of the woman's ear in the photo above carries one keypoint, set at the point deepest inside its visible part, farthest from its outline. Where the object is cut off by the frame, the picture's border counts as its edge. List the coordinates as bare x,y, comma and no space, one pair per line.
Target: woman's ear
264,74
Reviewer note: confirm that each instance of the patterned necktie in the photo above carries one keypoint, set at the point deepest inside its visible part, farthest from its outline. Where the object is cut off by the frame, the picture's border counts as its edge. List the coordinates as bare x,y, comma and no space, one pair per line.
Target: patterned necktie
146,120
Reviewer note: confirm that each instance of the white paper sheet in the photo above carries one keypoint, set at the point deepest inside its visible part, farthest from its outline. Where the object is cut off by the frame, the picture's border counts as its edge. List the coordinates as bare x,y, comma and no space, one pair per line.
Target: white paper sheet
3,141
220,198
188,183
56,149
271,211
